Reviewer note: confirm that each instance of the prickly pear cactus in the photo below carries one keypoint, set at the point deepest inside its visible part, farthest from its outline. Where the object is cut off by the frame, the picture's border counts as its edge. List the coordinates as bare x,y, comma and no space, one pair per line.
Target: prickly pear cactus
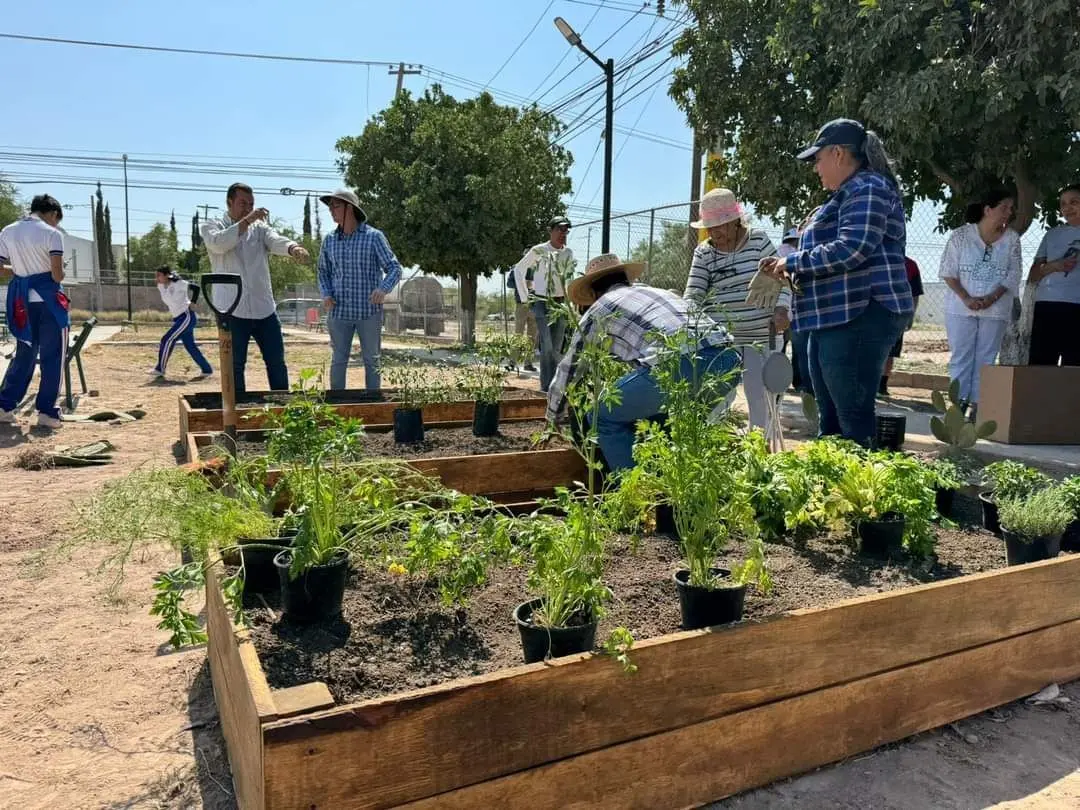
952,428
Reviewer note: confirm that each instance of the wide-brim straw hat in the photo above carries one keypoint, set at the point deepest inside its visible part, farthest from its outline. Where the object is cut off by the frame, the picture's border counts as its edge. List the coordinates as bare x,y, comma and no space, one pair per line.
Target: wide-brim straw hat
346,196
718,207
580,291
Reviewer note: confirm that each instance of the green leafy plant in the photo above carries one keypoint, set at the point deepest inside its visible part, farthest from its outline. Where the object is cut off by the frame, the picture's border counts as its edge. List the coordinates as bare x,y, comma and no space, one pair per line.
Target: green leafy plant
1070,491
947,473
307,427
1043,514
952,427
1010,480
618,645
418,384
483,376
691,464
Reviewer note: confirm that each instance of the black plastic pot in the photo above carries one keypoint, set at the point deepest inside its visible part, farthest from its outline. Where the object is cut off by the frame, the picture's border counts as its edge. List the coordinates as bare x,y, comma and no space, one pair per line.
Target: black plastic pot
990,513
317,593
665,521
707,607
1070,540
1020,550
485,418
943,501
408,425
538,643
260,573
883,537
891,432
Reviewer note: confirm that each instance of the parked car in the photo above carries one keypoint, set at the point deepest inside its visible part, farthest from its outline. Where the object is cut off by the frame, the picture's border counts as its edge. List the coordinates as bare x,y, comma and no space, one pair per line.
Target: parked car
293,311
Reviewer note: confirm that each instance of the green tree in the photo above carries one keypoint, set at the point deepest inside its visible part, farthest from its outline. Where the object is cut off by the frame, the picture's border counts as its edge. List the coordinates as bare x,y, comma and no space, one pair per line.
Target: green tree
10,207
459,187
964,92
286,272
156,248
109,256
196,237
669,259
307,216
172,222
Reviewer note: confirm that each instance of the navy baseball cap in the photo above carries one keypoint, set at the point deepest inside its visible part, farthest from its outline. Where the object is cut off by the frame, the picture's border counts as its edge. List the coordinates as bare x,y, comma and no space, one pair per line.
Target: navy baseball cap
840,132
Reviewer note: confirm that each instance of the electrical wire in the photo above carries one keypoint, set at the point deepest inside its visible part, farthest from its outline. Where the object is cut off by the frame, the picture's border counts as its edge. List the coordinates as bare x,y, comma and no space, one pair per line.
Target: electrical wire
524,39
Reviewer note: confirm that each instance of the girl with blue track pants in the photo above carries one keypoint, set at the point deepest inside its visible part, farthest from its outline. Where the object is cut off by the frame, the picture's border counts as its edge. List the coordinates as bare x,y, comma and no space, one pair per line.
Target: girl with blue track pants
180,297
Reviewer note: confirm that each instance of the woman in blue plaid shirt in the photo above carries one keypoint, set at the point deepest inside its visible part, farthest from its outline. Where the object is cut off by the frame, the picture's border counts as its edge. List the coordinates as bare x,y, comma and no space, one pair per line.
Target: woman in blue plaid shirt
851,289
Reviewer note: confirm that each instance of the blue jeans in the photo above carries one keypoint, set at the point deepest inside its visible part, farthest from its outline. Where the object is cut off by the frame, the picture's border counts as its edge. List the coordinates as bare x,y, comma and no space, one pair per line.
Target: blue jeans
48,340
643,399
341,331
268,337
551,341
846,363
181,331
800,360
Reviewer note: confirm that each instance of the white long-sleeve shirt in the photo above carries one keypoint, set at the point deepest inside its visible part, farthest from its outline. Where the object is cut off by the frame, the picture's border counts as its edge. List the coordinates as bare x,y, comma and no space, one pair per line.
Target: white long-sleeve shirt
175,296
546,281
246,256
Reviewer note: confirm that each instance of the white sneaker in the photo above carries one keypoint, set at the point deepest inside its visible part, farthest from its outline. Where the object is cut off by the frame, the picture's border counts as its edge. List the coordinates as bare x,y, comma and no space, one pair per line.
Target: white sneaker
8,418
44,420
156,374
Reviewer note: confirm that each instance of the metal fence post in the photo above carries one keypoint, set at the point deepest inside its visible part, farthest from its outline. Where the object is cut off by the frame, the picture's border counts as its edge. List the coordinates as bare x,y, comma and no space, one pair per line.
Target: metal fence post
652,228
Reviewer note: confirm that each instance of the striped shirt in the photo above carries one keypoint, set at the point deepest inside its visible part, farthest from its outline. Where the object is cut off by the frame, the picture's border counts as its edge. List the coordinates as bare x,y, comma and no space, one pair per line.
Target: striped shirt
851,252
630,316
719,281
352,266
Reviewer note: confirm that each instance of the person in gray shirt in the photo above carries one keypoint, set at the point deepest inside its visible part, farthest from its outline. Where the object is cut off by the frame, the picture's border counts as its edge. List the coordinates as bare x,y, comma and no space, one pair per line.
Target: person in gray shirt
1057,292
240,243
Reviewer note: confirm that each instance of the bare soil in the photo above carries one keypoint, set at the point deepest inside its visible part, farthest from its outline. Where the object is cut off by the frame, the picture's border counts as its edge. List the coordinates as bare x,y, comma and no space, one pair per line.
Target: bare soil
95,714
395,635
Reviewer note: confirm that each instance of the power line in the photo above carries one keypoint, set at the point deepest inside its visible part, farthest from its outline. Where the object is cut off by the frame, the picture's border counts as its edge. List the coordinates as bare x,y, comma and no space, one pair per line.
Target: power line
569,49
198,51
524,39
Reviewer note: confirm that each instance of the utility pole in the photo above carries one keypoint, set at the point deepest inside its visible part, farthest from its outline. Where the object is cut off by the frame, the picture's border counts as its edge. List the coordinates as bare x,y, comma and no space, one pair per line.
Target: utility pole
206,210
127,241
402,72
695,193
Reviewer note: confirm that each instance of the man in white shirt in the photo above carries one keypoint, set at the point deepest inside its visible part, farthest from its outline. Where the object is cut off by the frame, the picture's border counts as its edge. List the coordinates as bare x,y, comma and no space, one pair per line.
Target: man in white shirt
550,261
32,261
240,243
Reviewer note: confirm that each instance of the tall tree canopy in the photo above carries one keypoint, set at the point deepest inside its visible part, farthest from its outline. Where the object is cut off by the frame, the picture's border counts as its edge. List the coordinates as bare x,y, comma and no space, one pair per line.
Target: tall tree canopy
460,188
156,248
964,92
10,208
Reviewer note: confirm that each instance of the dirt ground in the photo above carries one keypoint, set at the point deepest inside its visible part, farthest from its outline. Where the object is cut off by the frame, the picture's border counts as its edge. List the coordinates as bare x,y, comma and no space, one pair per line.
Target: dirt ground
95,714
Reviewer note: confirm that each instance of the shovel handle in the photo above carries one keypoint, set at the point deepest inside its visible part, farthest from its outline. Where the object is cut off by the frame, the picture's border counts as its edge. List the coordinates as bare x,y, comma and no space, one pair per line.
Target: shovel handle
211,280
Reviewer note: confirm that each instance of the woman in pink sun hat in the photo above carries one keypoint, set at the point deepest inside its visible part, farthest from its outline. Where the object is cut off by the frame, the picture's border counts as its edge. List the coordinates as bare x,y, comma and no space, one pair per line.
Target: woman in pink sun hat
723,266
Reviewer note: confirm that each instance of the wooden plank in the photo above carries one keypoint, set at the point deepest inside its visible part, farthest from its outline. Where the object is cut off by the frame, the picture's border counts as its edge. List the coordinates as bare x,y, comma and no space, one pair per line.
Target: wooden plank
505,472
192,444
241,705
396,749
184,410
307,697
718,758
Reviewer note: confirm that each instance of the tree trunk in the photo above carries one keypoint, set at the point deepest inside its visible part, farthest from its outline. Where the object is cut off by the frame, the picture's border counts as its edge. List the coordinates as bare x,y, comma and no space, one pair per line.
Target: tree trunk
467,292
1026,194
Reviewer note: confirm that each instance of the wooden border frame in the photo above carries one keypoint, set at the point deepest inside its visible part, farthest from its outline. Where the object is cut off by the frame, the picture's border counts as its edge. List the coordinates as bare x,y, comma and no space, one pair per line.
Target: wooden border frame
708,714
203,420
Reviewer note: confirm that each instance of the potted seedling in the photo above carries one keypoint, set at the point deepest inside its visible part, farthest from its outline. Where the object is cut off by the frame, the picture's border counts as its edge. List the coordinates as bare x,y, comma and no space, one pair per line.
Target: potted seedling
417,387
690,460
481,380
1007,481
1032,526
947,480
1070,491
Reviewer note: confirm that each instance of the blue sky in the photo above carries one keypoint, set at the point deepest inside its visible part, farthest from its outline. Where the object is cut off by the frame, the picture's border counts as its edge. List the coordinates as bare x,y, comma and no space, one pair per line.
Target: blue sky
90,102
103,102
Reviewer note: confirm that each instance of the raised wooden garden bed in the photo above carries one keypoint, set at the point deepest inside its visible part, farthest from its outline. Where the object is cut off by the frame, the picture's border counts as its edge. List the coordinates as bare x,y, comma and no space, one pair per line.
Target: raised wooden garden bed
708,714
201,412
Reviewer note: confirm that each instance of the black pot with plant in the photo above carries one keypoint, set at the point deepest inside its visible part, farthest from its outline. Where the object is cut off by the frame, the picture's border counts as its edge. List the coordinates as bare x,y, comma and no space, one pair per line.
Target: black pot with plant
1070,492
417,387
947,480
882,536
720,603
256,557
482,379
485,420
541,641
408,425
1007,481
317,592
990,520
1032,527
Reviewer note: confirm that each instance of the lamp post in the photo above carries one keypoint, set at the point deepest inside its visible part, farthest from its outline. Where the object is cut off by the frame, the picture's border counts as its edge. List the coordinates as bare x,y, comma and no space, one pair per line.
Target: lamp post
608,67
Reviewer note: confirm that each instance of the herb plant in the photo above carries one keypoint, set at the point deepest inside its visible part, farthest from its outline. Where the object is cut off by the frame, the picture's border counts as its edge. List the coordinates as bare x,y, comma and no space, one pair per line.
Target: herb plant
417,384
307,427
1011,480
482,378
1043,514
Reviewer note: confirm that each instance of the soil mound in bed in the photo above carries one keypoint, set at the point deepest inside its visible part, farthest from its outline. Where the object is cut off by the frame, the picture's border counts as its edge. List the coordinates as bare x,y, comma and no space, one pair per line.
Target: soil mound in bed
396,636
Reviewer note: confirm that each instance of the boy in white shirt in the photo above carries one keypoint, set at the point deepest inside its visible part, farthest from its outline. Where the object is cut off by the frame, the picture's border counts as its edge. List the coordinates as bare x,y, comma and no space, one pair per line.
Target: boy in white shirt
180,300
32,254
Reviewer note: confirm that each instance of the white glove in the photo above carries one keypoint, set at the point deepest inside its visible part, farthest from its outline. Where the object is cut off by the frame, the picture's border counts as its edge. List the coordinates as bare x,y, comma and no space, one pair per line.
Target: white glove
763,291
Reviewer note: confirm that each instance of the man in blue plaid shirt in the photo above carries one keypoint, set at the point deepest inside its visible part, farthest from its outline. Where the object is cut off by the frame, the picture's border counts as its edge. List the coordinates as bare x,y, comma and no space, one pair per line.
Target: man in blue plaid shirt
635,316
357,269
852,291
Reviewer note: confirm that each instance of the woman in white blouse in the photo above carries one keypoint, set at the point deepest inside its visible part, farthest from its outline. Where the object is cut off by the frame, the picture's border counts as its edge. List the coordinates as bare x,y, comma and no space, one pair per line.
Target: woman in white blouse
981,266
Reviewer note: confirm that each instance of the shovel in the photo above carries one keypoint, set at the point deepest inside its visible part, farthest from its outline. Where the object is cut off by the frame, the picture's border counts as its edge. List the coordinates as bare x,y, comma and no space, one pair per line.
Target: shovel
228,383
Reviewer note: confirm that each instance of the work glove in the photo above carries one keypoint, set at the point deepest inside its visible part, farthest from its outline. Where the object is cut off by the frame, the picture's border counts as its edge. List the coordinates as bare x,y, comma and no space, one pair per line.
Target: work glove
763,291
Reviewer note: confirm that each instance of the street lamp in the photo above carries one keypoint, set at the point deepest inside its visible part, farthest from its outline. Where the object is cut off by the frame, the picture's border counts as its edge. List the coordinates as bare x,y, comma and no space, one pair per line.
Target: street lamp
608,67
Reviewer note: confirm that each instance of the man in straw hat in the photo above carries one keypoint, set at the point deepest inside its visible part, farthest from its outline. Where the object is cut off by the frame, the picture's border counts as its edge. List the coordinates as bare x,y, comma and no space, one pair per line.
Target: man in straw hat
357,270
632,316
